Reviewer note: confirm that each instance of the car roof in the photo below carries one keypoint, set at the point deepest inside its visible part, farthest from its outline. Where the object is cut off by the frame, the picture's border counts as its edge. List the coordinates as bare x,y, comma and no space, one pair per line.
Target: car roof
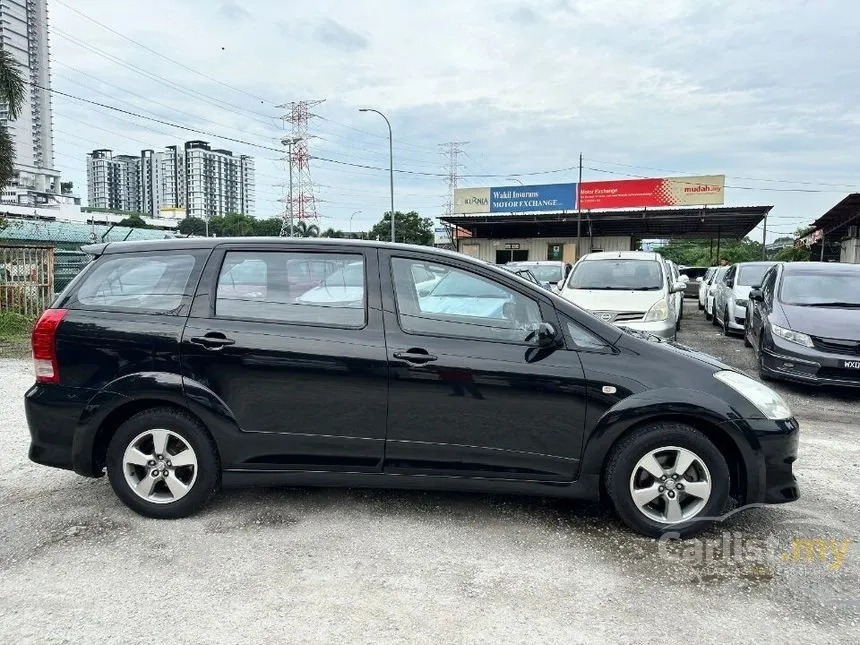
621,255
185,243
533,262
822,267
759,262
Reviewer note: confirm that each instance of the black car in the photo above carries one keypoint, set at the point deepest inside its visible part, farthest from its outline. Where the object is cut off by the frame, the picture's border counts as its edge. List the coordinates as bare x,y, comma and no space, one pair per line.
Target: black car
804,323
181,366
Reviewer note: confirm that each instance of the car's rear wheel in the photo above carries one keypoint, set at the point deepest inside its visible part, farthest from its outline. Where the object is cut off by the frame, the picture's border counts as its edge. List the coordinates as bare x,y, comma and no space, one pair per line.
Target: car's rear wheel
667,477
162,463
701,306
747,342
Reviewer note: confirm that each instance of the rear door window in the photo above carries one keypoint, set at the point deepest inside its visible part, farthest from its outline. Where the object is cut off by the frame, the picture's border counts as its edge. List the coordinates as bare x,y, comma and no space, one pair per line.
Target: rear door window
282,286
157,281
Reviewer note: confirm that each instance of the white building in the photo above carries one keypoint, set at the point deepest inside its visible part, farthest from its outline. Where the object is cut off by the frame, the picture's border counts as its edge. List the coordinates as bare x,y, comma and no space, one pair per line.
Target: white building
24,33
217,183
195,179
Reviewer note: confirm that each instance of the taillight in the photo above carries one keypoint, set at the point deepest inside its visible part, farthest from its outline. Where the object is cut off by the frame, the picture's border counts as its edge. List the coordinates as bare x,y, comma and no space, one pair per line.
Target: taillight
45,346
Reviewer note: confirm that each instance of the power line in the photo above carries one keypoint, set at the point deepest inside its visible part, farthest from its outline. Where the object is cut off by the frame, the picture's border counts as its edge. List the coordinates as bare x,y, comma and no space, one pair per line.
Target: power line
160,55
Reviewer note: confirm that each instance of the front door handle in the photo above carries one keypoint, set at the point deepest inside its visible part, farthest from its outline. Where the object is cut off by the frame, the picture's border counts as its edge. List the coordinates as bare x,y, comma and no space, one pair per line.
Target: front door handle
213,340
416,356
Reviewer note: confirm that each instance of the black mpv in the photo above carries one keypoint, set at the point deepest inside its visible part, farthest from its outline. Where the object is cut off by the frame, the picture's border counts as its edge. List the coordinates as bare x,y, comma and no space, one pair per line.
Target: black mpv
181,366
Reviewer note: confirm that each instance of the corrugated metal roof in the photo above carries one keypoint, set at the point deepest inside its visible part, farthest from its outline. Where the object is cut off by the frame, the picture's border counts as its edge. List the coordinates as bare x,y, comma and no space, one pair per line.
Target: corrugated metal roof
75,232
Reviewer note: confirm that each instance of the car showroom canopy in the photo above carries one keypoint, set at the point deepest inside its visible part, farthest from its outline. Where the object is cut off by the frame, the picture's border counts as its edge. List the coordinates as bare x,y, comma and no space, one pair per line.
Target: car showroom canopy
728,222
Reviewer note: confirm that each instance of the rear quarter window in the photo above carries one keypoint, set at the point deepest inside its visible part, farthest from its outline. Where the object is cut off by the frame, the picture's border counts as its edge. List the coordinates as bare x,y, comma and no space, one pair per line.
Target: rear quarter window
158,282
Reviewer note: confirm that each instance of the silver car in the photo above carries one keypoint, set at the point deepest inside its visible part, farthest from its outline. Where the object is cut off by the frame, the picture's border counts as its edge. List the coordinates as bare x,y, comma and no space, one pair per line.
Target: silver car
628,288
703,283
730,300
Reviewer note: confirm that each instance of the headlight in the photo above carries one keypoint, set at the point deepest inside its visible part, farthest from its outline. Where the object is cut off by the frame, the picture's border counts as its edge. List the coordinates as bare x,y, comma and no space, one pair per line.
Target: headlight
769,403
660,311
741,302
791,336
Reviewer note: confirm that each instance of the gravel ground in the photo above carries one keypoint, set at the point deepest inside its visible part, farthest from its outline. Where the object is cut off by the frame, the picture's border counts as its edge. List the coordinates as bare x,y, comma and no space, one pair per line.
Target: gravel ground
309,565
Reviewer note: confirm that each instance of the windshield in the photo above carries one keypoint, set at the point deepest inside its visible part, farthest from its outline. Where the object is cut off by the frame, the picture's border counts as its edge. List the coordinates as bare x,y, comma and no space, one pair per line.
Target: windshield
545,272
751,274
623,275
819,288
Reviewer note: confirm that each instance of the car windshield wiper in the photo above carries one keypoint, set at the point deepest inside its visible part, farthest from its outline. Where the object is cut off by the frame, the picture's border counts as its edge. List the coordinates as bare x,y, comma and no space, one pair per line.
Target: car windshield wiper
847,305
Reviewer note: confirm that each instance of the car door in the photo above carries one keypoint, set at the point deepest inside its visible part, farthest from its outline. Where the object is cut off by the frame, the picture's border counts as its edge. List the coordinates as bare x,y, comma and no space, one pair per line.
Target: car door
723,289
303,370
471,393
761,308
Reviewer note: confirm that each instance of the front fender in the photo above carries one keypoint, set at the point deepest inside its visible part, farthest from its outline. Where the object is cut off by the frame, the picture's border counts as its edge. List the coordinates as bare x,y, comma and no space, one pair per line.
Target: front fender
666,404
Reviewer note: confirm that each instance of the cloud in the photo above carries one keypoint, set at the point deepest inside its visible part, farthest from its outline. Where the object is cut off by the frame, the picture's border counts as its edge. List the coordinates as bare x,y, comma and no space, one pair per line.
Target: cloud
233,11
336,35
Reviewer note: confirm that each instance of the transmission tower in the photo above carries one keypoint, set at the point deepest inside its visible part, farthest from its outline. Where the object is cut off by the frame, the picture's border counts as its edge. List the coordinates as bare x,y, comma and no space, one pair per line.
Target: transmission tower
452,150
301,203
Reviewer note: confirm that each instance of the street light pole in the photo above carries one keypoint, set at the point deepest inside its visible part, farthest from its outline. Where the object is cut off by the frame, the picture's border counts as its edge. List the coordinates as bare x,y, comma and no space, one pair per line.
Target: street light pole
350,221
390,161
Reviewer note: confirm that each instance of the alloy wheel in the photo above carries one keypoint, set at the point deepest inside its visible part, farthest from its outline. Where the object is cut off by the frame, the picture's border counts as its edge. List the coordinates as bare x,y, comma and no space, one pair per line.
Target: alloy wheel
159,466
670,485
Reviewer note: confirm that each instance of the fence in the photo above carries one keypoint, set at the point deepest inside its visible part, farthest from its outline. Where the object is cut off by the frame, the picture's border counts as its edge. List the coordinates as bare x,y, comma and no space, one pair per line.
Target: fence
67,264
26,279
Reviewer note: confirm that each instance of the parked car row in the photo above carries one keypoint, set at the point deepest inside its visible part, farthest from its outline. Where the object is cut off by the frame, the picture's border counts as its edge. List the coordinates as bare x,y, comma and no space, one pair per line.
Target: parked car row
802,319
180,366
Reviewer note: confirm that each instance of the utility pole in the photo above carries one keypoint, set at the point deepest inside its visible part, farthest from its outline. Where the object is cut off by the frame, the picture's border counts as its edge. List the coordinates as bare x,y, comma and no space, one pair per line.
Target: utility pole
579,209
451,150
298,115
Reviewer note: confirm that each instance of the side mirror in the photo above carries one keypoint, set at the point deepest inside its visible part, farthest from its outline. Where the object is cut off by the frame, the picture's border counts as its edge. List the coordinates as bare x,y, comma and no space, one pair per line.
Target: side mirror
755,294
559,284
545,335
678,287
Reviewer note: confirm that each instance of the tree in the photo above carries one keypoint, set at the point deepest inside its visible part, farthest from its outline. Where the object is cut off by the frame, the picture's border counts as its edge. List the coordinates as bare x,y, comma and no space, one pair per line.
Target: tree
12,93
192,226
66,187
409,228
793,254
134,221
700,253
333,233
303,229
269,227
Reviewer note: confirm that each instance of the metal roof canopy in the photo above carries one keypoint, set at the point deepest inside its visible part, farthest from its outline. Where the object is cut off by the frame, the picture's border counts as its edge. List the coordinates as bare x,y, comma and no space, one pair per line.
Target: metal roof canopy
845,213
699,222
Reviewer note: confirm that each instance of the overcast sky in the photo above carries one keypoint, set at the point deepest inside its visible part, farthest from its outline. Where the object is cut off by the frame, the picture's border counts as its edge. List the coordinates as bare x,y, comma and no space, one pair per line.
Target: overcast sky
766,93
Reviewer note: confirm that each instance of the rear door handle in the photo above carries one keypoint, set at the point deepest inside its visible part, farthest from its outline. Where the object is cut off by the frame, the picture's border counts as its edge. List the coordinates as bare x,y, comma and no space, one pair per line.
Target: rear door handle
212,340
416,356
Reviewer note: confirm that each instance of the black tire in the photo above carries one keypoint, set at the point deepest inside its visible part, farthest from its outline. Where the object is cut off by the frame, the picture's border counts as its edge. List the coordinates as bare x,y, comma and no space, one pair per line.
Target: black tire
709,316
622,462
701,306
208,469
761,370
726,331
747,342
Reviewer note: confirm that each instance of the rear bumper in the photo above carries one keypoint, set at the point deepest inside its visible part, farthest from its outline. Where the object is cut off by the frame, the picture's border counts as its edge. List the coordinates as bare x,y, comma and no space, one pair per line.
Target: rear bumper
53,412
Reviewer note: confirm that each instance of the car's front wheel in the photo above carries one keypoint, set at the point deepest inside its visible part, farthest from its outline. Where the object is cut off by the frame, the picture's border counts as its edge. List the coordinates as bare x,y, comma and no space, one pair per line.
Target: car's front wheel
667,477
162,463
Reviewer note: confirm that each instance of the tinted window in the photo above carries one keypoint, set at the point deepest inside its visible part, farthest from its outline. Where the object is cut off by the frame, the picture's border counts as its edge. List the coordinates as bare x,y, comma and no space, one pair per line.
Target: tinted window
461,304
695,272
767,284
815,288
751,275
582,337
545,272
619,275
154,281
280,286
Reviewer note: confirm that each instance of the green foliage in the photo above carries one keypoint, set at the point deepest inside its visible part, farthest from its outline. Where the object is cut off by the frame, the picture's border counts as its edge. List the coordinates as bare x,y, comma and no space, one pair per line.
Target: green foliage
793,254
66,187
409,228
192,226
303,229
14,325
699,253
134,221
12,93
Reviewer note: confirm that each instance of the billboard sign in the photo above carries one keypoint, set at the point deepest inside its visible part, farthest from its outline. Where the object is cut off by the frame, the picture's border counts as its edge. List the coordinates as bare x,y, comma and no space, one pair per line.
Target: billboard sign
441,235
594,195
533,199
643,193
471,200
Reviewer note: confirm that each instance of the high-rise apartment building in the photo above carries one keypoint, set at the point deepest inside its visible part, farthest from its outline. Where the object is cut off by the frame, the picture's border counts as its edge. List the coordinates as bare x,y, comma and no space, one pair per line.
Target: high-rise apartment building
205,183
24,33
217,183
